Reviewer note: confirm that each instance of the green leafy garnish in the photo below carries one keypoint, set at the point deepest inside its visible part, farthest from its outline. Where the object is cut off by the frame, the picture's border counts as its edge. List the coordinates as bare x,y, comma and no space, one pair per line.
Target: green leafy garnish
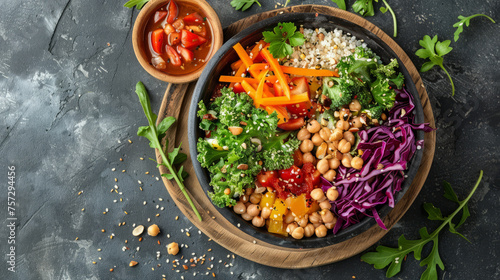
340,4
434,51
155,134
137,3
365,8
393,257
460,25
283,39
243,5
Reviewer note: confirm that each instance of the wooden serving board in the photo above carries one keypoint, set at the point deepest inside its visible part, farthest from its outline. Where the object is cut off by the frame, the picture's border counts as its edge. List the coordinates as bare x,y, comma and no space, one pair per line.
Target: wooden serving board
215,226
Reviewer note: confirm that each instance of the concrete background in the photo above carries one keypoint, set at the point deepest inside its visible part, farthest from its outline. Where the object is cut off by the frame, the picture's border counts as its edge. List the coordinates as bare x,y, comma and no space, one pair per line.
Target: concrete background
68,109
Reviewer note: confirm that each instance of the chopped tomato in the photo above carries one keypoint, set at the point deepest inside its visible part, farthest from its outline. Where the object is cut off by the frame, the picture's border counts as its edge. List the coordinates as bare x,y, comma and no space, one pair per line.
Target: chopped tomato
178,24
193,18
278,90
266,178
169,29
293,124
298,159
173,11
174,39
292,174
190,40
238,88
157,39
174,57
311,174
186,54
300,85
160,15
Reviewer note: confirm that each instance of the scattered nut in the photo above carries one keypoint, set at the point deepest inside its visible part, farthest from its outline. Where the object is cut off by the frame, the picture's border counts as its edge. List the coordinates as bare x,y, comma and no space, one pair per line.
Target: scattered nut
138,230
242,166
153,230
132,263
235,130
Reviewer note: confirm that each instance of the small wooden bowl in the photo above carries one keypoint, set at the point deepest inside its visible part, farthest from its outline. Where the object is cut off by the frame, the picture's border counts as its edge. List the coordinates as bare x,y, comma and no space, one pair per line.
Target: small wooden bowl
140,46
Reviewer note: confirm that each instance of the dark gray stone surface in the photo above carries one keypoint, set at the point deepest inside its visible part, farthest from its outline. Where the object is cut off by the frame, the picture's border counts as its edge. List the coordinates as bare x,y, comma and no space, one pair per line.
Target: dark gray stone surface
68,109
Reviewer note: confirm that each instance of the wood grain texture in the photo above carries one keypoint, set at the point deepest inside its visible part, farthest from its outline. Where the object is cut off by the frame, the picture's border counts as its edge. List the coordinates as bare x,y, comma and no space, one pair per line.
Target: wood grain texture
215,226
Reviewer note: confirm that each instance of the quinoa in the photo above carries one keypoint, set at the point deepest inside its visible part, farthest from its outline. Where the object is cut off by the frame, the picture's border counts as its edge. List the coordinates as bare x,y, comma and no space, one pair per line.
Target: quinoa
327,52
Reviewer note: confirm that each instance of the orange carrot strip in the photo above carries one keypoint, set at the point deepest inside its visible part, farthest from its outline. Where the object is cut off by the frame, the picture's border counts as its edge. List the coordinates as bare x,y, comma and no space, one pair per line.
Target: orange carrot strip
267,92
233,79
275,66
240,72
283,100
280,110
256,49
271,79
236,65
250,90
243,55
259,66
260,90
309,72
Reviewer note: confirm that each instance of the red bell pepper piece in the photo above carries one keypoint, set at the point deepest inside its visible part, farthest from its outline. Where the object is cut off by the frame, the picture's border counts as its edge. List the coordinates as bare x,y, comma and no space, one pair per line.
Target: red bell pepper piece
173,11
190,40
193,18
186,54
157,40
174,57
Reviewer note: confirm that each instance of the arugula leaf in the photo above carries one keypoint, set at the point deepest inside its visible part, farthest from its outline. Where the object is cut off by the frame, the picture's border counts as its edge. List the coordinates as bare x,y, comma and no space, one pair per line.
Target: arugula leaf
154,134
365,8
434,51
393,257
137,3
243,5
283,38
460,25
340,4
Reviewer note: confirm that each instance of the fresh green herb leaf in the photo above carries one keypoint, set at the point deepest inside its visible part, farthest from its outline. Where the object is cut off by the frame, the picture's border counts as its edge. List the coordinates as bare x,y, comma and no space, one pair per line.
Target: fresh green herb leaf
393,257
365,8
340,4
243,5
460,25
286,3
137,3
434,51
283,38
153,133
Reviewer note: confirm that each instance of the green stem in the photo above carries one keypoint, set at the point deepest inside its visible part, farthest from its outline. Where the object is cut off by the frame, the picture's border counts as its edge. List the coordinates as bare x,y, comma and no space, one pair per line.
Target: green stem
258,3
481,15
451,81
393,18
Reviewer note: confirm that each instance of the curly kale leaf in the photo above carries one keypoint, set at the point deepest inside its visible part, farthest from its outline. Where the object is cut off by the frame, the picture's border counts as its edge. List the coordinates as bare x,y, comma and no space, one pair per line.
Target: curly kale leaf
387,78
277,154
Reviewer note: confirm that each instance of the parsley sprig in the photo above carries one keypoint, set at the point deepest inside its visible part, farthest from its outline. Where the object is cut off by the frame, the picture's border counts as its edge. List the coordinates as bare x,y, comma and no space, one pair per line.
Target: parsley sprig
393,257
434,51
340,4
137,3
243,5
283,39
460,25
155,134
365,8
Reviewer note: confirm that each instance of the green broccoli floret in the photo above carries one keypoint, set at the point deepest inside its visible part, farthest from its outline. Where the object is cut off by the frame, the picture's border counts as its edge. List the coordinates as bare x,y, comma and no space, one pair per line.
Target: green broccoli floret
339,90
278,154
365,98
373,112
387,78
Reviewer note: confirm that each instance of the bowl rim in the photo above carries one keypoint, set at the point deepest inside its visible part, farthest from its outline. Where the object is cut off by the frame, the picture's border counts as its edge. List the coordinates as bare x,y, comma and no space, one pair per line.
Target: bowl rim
203,179
138,36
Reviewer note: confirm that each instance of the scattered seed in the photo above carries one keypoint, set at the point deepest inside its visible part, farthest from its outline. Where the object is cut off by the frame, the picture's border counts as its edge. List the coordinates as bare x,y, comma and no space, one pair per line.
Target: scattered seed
132,263
138,230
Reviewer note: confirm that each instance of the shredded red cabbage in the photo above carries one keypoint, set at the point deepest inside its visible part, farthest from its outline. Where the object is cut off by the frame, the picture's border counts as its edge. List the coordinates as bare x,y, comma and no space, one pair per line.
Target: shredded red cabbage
387,149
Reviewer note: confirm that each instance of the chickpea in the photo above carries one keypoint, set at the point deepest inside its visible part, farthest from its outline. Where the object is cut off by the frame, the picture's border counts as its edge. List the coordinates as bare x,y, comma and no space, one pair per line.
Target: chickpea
349,137
248,191
289,218
318,194
255,198
253,210
246,216
306,146
313,126
356,122
340,124
303,134
344,146
309,230
332,194
298,233
265,212
258,221
336,114
346,160
357,163
308,157
330,175
334,163
332,224
291,227
240,208
321,151
244,198
324,133
303,221
326,216
317,225
355,105
320,231
336,135
153,230
331,148
338,155
316,139
315,218
173,248
325,204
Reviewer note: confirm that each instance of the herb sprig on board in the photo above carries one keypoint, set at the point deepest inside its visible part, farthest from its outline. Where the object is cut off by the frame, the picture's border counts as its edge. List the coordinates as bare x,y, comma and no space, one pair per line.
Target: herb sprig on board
340,4
460,25
393,257
365,8
155,134
243,5
434,51
283,38
137,3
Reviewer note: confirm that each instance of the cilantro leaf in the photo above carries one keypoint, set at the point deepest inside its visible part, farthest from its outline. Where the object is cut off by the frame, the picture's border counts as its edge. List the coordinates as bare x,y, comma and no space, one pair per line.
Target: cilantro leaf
365,8
137,3
283,38
243,5
393,257
460,25
340,4
434,51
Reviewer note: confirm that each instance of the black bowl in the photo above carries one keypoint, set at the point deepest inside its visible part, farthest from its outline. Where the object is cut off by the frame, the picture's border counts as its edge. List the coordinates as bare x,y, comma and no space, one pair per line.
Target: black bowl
220,64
